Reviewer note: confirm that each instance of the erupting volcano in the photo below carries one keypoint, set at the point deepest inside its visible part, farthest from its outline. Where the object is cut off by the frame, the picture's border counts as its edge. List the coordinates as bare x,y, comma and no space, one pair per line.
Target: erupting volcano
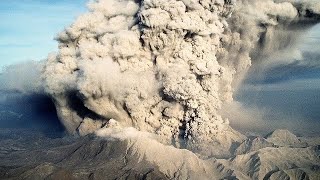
147,85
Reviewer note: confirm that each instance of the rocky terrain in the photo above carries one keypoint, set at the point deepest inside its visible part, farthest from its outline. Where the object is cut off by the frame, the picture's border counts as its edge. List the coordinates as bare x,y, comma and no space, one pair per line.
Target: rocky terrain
31,155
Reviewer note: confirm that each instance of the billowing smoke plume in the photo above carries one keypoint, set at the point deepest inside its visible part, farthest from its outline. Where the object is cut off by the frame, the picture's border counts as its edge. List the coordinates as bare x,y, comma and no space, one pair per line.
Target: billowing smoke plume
166,66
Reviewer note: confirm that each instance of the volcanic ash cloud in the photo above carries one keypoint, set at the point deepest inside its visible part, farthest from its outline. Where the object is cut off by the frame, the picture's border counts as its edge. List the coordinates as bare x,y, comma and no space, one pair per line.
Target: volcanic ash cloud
163,66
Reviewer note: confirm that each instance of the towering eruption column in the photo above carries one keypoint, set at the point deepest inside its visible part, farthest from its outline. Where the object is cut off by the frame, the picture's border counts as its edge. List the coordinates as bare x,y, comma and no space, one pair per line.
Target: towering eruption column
161,66
151,65
184,38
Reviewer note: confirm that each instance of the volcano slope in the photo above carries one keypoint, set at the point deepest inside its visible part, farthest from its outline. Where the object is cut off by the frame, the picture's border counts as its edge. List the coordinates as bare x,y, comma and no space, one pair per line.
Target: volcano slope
136,155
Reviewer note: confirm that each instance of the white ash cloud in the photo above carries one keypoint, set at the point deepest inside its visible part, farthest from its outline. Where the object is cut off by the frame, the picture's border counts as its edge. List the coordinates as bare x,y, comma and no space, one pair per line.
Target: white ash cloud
164,66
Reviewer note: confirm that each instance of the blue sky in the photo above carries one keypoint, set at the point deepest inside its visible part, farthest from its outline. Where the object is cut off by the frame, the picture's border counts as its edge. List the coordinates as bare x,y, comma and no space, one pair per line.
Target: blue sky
28,27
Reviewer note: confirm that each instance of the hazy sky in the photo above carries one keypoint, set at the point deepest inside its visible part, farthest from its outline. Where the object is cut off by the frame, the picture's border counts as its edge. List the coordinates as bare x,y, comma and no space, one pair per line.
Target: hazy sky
28,27
287,94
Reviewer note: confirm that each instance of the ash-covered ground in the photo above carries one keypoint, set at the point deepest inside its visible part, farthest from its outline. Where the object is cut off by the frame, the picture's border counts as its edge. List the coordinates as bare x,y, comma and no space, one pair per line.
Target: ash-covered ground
27,154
